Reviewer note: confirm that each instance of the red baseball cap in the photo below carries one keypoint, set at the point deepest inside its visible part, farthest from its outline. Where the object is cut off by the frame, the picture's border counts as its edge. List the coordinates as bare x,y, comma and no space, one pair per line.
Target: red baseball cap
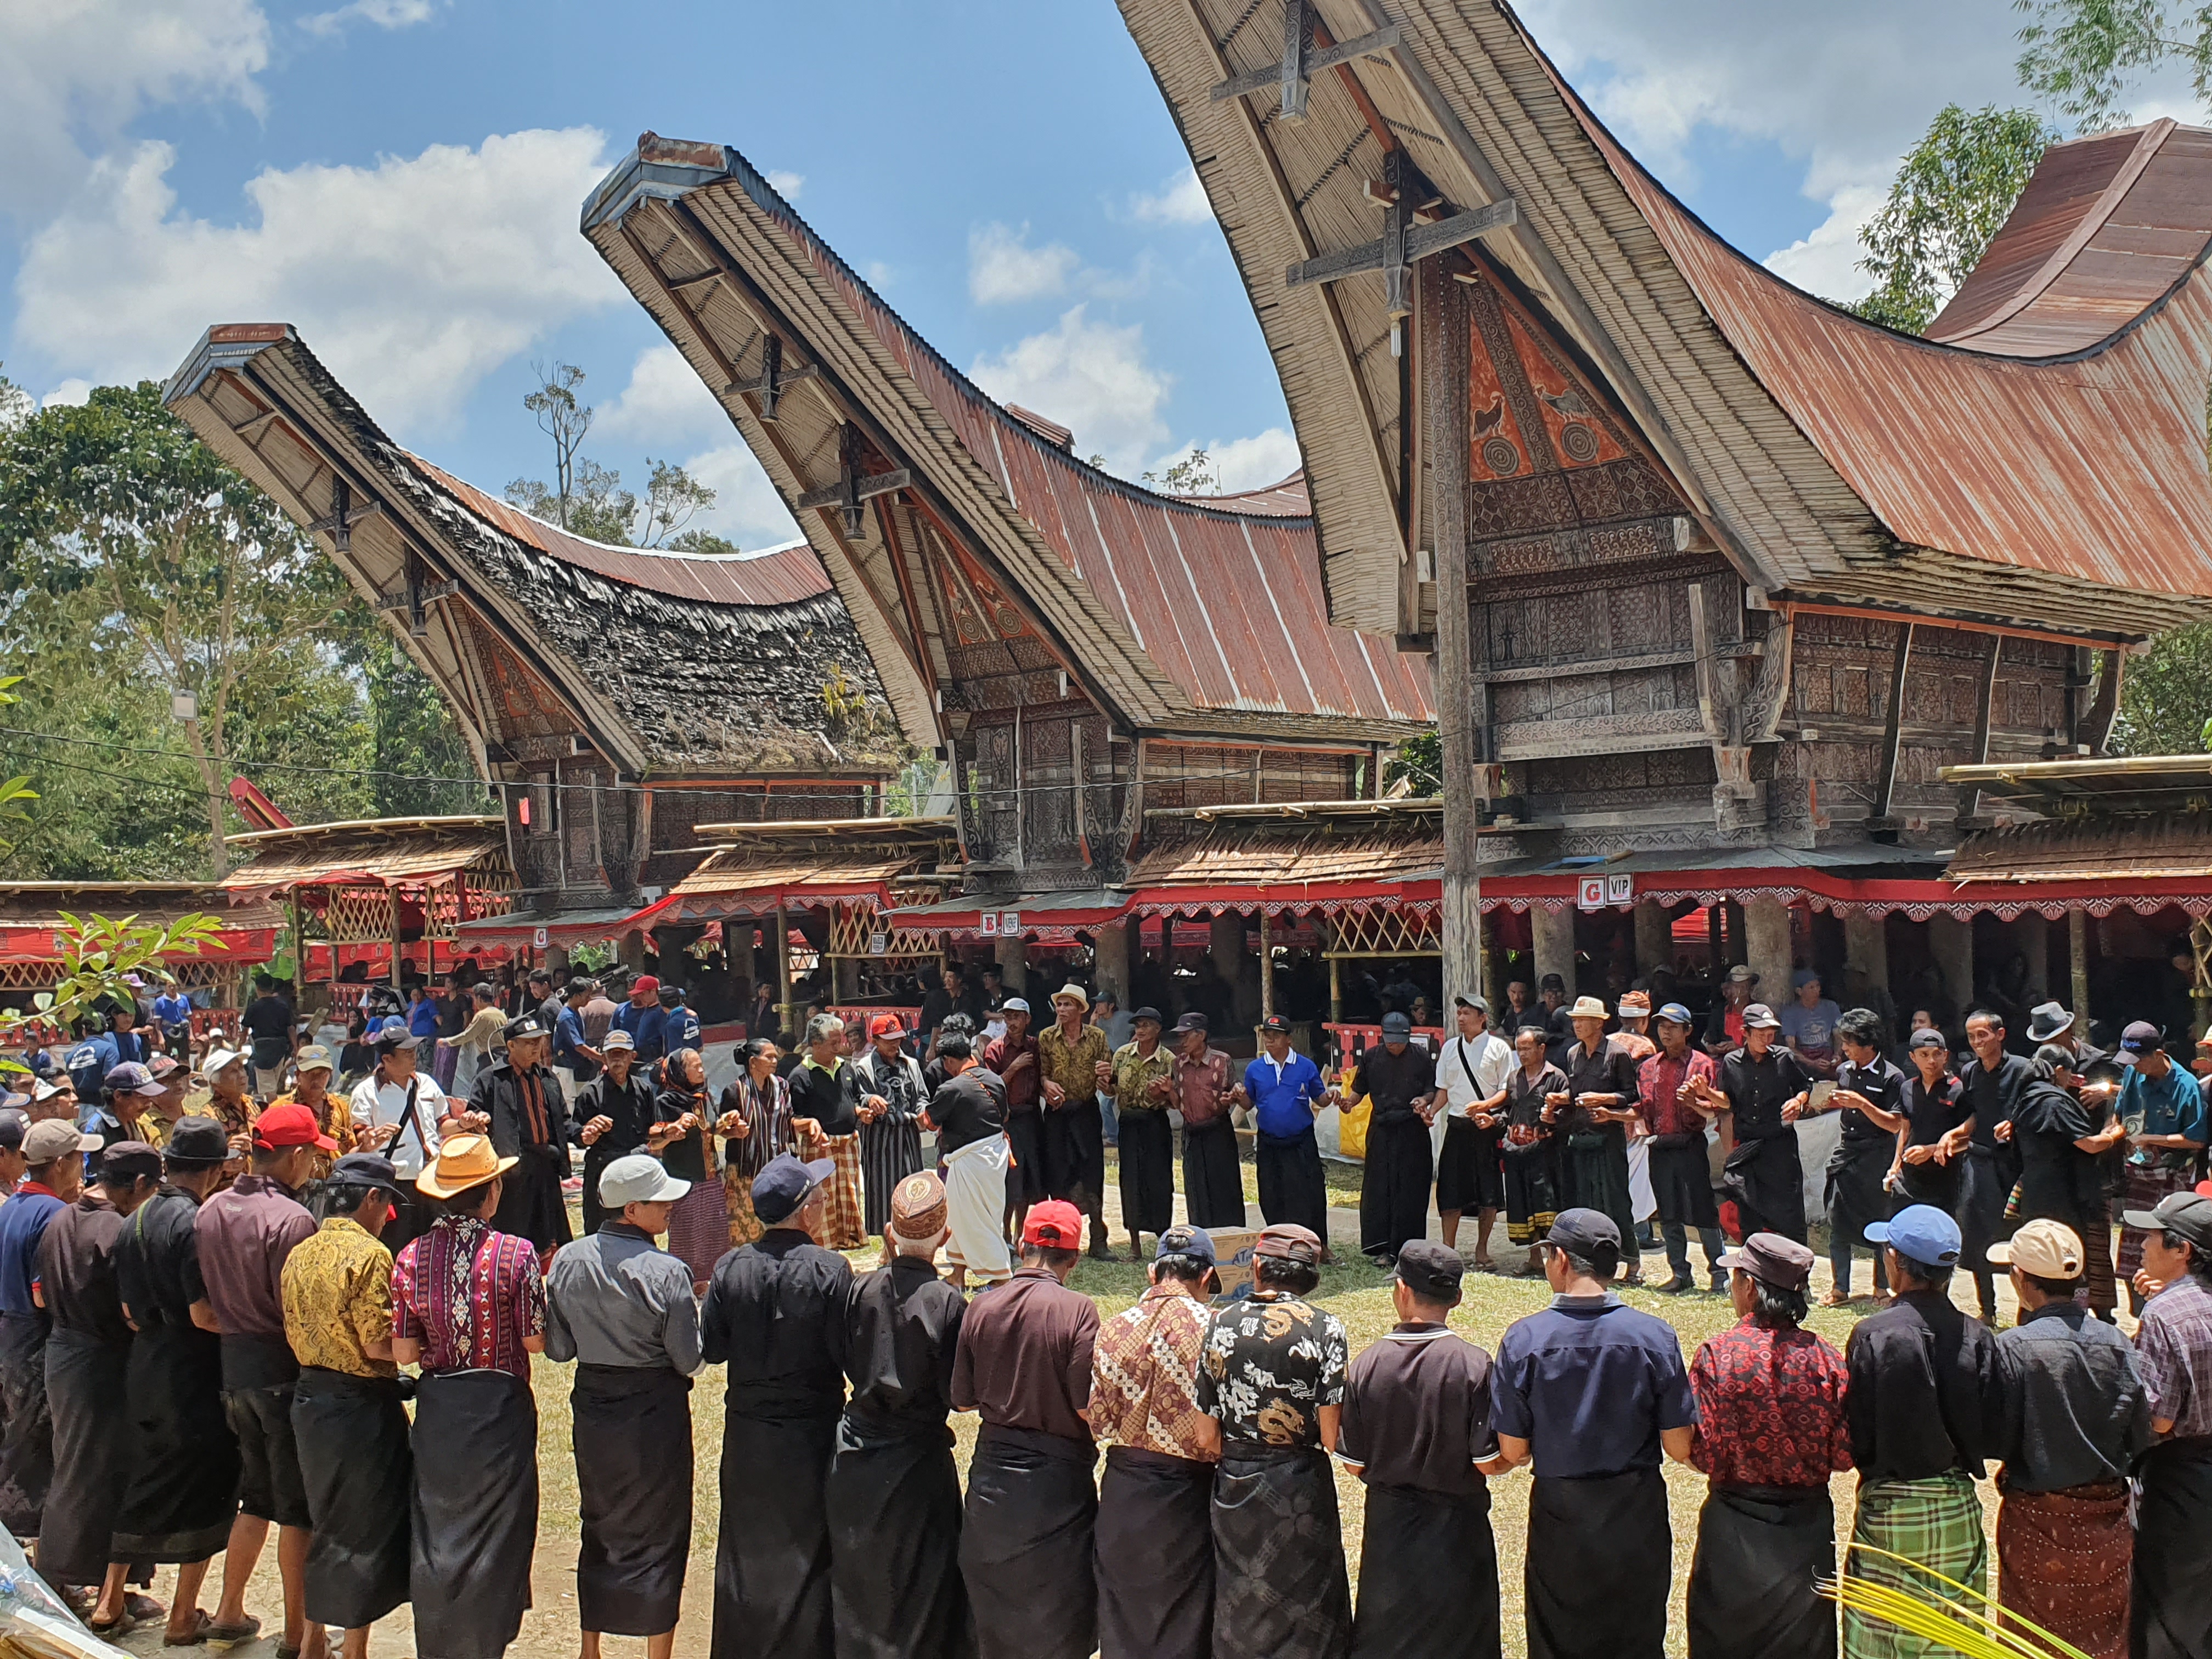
1054,1224
647,983
290,1125
884,1025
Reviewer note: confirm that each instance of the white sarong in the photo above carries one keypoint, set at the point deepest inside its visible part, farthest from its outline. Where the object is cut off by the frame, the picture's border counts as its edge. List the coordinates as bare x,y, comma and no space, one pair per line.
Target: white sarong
1643,1202
976,1208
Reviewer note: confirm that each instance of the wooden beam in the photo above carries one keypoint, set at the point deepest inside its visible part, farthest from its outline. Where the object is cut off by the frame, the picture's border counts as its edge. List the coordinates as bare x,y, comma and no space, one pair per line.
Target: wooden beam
1443,339
1970,798
1885,788
1319,57
2096,729
1390,252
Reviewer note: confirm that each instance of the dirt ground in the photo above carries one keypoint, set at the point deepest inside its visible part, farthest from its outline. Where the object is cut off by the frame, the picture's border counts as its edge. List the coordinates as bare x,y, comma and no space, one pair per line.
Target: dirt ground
1352,1290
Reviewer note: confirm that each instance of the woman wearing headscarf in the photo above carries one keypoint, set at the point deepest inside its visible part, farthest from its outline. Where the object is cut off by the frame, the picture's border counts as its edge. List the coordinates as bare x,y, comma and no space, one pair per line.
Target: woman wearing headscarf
699,1224
756,1125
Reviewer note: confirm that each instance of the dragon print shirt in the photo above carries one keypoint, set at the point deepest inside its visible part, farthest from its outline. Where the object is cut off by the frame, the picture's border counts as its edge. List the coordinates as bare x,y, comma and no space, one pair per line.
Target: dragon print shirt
1271,1362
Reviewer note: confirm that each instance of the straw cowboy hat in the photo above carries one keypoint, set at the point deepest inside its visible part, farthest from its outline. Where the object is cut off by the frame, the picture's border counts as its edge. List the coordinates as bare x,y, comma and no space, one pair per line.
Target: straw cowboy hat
1587,1008
1072,994
463,1161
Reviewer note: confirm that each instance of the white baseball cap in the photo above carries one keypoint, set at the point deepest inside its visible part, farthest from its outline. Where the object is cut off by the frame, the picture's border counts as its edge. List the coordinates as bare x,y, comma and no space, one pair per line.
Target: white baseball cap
639,1179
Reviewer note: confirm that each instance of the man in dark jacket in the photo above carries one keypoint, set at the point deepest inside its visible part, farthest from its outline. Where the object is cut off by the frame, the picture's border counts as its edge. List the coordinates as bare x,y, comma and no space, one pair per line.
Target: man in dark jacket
612,1118
518,1100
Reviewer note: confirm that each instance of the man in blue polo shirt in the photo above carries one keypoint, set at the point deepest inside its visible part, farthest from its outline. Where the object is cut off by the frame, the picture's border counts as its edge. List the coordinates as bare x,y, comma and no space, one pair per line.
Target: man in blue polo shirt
1286,1093
641,1017
679,1024
1595,1393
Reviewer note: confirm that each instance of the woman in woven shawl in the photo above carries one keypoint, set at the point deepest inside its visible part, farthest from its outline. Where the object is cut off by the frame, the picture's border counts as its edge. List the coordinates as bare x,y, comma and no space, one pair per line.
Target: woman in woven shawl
699,1225
756,1125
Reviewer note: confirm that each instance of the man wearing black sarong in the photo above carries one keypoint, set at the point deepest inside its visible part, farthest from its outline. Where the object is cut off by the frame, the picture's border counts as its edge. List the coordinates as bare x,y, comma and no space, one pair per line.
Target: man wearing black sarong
1594,1392
1140,1082
1763,1086
614,1113
468,1305
1871,1094
775,1312
1599,1104
2060,1137
1024,1367
182,1495
1399,1080
1155,1537
1204,1090
1771,1428
520,1101
88,1367
622,1309
1416,1430
1994,1085
893,1495
347,1418
50,1183
1273,1377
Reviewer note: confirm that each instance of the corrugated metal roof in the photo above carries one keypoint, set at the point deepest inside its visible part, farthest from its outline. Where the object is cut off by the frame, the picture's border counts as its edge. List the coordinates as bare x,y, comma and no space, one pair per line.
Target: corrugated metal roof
1286,498
777,576
1208,601
2107,225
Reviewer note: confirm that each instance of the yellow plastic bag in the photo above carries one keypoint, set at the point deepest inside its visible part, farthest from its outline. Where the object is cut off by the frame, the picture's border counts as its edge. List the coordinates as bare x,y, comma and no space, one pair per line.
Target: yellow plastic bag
1352,1127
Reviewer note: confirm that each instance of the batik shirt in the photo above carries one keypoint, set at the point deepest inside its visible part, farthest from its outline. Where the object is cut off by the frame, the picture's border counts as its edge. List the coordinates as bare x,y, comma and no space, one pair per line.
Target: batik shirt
1271,1362
1769,1409
1202,1087
1135,1074
1073,1066
337,1300
470,1296
1144,1376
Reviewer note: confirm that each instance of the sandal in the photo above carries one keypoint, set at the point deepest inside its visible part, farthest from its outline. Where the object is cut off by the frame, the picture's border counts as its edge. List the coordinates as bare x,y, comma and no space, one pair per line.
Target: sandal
197,1634
245,1631
1834,1299
111,1629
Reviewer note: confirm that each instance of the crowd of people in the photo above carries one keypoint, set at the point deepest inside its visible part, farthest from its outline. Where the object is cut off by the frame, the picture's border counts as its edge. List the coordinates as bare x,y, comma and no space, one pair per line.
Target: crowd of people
215,1310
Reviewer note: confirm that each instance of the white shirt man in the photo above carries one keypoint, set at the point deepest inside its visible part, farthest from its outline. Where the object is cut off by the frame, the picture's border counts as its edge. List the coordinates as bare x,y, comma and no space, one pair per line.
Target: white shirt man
381,1099
1473,1067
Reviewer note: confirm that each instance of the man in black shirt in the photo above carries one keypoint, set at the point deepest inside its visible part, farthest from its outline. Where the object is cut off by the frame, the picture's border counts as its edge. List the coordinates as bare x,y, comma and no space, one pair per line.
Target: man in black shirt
1416,1430
1995,1083
1763,1087
520,1102
894,1496
1400,1078
268,1021
1552,1007
2061,1141
968,1113
1928,1409
1599,1101
775,1312
613,1116
1871,1094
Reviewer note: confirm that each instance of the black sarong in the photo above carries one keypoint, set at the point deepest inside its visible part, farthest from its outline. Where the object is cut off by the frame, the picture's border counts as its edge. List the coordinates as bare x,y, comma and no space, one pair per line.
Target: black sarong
1279,1584
1855,1194
26,1444
631,1428
475,1512
1292,1186
1155,1556
1075,1151
1595,1174
1028,1180
772,1561
1532,1191
359,1472
531,1203
1984,1187
183,1491
2170,1608
1212,1184
1026,1547
895,1582
1393,1187
1767,1184
1467,1175
1147,1157
87,1385
1752,1595
1428,1576
1682,1182
1599,1559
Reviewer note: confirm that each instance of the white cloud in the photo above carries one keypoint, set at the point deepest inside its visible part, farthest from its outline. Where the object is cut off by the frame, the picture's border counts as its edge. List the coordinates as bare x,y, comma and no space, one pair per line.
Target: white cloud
70,392
1180,201
1003,268
74,73
787,184
1241,463
1825,263
412,278
747,508
879,275
383,14
665,403
1091,377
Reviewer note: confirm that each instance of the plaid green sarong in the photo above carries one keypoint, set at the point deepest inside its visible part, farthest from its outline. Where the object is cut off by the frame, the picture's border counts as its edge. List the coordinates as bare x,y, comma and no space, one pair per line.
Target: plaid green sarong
1936,1523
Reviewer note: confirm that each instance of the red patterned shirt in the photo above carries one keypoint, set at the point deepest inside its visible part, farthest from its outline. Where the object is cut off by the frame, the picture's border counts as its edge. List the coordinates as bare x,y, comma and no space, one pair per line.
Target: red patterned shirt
1769,1409
1659,1079
470,1296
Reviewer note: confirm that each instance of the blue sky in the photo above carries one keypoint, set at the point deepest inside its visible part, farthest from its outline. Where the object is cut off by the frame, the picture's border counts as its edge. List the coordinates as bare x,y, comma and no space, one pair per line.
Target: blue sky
401,179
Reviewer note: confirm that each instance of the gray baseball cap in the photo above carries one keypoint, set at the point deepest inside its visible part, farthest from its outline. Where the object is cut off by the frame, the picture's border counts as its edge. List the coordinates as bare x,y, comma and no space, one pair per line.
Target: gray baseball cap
639,1179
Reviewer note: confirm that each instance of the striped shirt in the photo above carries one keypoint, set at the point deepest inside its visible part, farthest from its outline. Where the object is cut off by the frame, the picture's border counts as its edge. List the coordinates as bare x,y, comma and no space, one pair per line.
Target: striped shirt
2173,1346
470,1296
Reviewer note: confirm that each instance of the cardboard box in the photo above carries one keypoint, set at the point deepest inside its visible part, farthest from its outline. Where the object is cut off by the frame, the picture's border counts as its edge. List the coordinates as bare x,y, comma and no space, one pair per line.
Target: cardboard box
1232,1253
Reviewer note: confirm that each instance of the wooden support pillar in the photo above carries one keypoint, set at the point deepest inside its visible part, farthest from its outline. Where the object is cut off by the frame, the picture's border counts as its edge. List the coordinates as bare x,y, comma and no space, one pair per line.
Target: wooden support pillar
1441,333
1554,938
1766,948
1266,972
1866,956
786,1012
392,893
1013,965
845,978
1112,947
2077,949
1335,974
2031,936
1654,937
1951,942
1225,945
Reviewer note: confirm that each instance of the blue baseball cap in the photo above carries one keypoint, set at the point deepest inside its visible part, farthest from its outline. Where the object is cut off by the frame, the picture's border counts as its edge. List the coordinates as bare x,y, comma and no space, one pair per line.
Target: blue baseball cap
1675,1014
1920,1232
1183,1240
781,1188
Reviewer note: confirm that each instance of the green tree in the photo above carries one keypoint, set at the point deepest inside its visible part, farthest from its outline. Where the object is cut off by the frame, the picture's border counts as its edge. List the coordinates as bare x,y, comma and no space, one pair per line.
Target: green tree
1194,475
672,499
1949,199
1420,761
565,418
2084,55
192,570
587,499
2166,697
